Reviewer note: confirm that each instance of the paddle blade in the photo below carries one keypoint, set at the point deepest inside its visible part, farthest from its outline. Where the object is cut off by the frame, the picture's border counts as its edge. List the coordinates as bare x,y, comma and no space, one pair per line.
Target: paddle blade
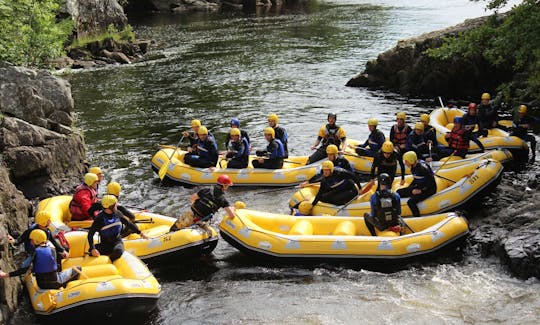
163,170
366,188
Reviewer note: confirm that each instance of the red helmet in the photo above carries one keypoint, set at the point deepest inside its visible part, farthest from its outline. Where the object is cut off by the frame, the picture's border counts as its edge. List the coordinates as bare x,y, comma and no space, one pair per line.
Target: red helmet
472,106
224,180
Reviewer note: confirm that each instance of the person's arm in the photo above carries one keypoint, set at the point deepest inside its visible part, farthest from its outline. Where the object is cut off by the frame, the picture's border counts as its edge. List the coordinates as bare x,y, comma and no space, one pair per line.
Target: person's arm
373,205
126,212
402,167
316,143
95,207
194,197
23,237
230,211
398,199
96,225
273,148
85,200
392,136
374,166
133,227
17,272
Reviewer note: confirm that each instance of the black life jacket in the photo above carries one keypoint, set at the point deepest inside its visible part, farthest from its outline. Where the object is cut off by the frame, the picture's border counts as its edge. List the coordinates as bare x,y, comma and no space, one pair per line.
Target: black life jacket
386,208
331,136
205,206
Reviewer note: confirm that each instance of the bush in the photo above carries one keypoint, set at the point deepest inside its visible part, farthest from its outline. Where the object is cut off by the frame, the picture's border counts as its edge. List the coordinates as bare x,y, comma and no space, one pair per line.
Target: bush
30,34
514,42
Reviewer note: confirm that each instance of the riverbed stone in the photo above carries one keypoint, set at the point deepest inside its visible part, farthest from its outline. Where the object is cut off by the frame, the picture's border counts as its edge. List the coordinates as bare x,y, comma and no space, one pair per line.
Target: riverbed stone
93,17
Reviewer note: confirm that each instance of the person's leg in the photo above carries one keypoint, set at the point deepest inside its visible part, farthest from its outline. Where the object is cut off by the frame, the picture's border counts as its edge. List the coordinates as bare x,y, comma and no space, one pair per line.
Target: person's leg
404,192
474,138
117,251
236,163
415,199
319,154
68,275
368,219
273,164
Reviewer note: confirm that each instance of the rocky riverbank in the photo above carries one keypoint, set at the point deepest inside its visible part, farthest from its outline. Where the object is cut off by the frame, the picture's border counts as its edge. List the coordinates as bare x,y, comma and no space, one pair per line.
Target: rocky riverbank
407,69
41,153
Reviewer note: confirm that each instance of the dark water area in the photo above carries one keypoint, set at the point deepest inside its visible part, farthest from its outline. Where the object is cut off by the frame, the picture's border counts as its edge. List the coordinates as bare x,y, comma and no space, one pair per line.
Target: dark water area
293,61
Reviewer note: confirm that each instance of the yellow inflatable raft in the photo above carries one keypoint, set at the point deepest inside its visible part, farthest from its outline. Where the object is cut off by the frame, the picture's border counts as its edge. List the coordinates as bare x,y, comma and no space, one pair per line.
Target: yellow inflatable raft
125,287
442,119
455,186
162,244
335,238
362,164
294,171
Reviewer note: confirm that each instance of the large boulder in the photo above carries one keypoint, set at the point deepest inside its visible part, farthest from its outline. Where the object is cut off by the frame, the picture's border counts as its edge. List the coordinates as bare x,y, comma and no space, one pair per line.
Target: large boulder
186,5
92,17
40,155
39,147
512,233
407,68
14,212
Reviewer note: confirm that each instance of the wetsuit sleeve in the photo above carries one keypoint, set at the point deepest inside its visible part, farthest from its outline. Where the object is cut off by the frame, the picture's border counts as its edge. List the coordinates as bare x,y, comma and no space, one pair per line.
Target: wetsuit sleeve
402,166
323,189
96,225
373,204
316,178
130,225
322,132
341,133
126,212
23,237
398,208
374,165
95,207
392,134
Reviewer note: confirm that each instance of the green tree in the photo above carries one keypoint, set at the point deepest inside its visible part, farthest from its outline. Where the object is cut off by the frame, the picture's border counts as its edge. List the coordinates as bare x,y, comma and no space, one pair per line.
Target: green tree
30,33
513,41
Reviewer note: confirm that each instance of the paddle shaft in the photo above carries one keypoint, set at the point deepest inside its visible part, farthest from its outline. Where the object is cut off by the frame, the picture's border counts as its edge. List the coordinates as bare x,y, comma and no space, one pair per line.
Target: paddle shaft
406,225
444,111
163,170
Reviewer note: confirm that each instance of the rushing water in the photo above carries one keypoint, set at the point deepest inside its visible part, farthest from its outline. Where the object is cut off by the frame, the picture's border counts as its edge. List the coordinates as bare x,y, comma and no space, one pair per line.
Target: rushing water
292,61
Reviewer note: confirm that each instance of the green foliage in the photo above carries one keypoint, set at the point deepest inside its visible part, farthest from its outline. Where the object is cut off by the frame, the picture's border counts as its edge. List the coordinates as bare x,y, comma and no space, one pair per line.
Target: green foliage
125,35
513,42
30,35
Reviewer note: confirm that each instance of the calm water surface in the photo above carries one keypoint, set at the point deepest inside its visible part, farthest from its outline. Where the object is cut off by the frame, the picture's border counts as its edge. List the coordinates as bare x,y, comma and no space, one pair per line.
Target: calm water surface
292,61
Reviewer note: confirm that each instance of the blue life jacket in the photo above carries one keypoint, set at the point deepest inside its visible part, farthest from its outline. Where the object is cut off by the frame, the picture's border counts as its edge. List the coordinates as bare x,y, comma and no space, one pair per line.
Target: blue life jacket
44,260
279,152
111,227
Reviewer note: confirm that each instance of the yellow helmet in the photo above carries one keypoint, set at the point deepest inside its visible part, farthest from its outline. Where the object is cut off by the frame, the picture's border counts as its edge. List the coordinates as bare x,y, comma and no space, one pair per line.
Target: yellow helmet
108,201
235,131
273,118
522,109
270,131
419,126
410,157
195,123
202,130
38,236
328,165
42,218
239,205
387,147
90,178
305,207
332,149
485,96
424,118
95,170
401,115
372,122
114,188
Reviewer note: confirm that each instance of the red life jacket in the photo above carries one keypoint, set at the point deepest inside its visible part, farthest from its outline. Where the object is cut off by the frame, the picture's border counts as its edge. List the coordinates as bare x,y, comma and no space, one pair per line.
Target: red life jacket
459,139
400,137
79,209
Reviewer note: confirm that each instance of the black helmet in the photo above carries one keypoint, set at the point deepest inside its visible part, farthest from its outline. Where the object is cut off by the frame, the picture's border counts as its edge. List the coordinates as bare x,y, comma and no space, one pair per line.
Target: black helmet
384,179
332,115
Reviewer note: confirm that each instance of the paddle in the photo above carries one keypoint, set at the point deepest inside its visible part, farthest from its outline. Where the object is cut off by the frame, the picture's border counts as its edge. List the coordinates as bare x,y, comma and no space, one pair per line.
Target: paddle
81,273
144,221
364,191
444,111
406,225
447,160
163,169
285,188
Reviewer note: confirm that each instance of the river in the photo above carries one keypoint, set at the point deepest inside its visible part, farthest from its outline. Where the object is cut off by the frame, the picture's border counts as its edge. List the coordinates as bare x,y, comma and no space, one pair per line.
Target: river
293,61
